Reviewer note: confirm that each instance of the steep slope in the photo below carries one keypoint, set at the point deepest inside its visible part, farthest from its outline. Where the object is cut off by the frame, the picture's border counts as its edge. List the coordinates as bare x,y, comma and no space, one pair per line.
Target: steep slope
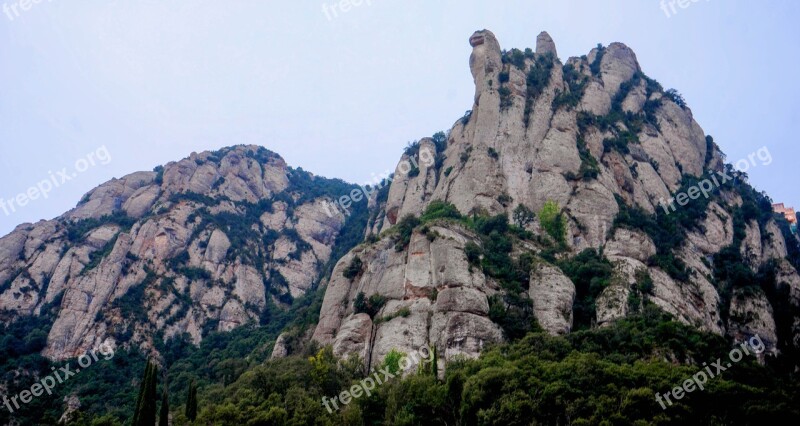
607,148
210,242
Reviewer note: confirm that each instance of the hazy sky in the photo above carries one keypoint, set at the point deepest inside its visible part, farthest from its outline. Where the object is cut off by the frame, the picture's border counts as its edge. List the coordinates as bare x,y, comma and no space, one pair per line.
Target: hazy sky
340,94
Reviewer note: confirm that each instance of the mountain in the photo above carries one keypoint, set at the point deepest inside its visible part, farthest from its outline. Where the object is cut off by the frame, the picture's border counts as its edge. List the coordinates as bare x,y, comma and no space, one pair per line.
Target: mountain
608,147
208,243
576,212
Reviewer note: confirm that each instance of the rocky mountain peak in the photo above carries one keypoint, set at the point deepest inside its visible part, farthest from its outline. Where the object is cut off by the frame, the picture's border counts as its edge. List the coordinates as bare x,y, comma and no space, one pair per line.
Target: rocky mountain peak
545,44
211,242
582,155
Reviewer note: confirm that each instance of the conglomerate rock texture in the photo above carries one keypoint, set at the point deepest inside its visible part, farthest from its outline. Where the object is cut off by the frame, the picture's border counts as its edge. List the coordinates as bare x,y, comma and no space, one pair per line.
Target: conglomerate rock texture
541,130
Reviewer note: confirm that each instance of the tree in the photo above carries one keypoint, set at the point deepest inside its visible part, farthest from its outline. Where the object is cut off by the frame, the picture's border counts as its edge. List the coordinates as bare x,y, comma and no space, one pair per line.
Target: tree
191,402
523,216
163,419
553,221
354,268
145,413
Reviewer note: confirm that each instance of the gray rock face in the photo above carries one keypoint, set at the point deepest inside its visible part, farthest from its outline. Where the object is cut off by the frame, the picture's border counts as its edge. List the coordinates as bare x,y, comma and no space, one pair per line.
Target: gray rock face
433,297
545,44
522,145
208,242
552,294
176,246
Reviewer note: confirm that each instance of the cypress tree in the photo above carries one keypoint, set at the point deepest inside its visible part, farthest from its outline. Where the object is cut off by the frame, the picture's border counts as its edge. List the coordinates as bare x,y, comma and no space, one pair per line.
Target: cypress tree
142,387
163,419
435,363
145,414
191,402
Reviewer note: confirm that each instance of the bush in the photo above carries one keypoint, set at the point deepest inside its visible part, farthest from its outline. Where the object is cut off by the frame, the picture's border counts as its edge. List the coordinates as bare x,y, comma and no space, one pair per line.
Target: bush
552,220
589,169
371,306
503,77
440,210
537,79
504,199
505,97
514,57
591,273
473,253
404,230
598,59
676,97
523,216
353,269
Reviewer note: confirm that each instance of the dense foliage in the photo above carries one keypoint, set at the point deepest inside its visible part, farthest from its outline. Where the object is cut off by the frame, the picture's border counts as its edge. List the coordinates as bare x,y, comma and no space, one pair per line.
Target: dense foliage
601,375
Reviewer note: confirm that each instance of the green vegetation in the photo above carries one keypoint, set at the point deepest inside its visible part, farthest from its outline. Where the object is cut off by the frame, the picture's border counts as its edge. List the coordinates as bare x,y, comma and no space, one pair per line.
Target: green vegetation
440,210
163,412
598,59
587,377
503,77
591,273
537,79
76,231
514,57
354,268
370,306
576,85
403,312
191,402
405,227
159,179
145,412
589,169
464,157
523,216
676,97
552,221
97,256
668,232
505,97
466,117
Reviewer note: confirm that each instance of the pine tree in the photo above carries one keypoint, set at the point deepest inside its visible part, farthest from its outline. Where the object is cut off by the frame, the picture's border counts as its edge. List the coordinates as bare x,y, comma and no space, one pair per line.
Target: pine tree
145,414
191,402
163,419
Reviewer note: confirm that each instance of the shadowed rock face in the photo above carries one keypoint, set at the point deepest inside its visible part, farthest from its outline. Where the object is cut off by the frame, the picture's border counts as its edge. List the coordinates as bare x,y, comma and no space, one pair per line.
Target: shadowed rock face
528,142
203,244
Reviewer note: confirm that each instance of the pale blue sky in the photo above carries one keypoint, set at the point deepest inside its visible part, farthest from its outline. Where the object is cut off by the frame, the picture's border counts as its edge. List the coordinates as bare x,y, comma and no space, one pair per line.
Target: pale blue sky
153,81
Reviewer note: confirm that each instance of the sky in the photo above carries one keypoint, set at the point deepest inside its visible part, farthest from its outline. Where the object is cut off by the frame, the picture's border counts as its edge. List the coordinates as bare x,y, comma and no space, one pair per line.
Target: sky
91,90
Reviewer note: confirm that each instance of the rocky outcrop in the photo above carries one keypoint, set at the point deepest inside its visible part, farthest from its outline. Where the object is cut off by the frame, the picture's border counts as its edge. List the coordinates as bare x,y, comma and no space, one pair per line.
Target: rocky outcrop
552,294
591,134
433,296
201,244
212,241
